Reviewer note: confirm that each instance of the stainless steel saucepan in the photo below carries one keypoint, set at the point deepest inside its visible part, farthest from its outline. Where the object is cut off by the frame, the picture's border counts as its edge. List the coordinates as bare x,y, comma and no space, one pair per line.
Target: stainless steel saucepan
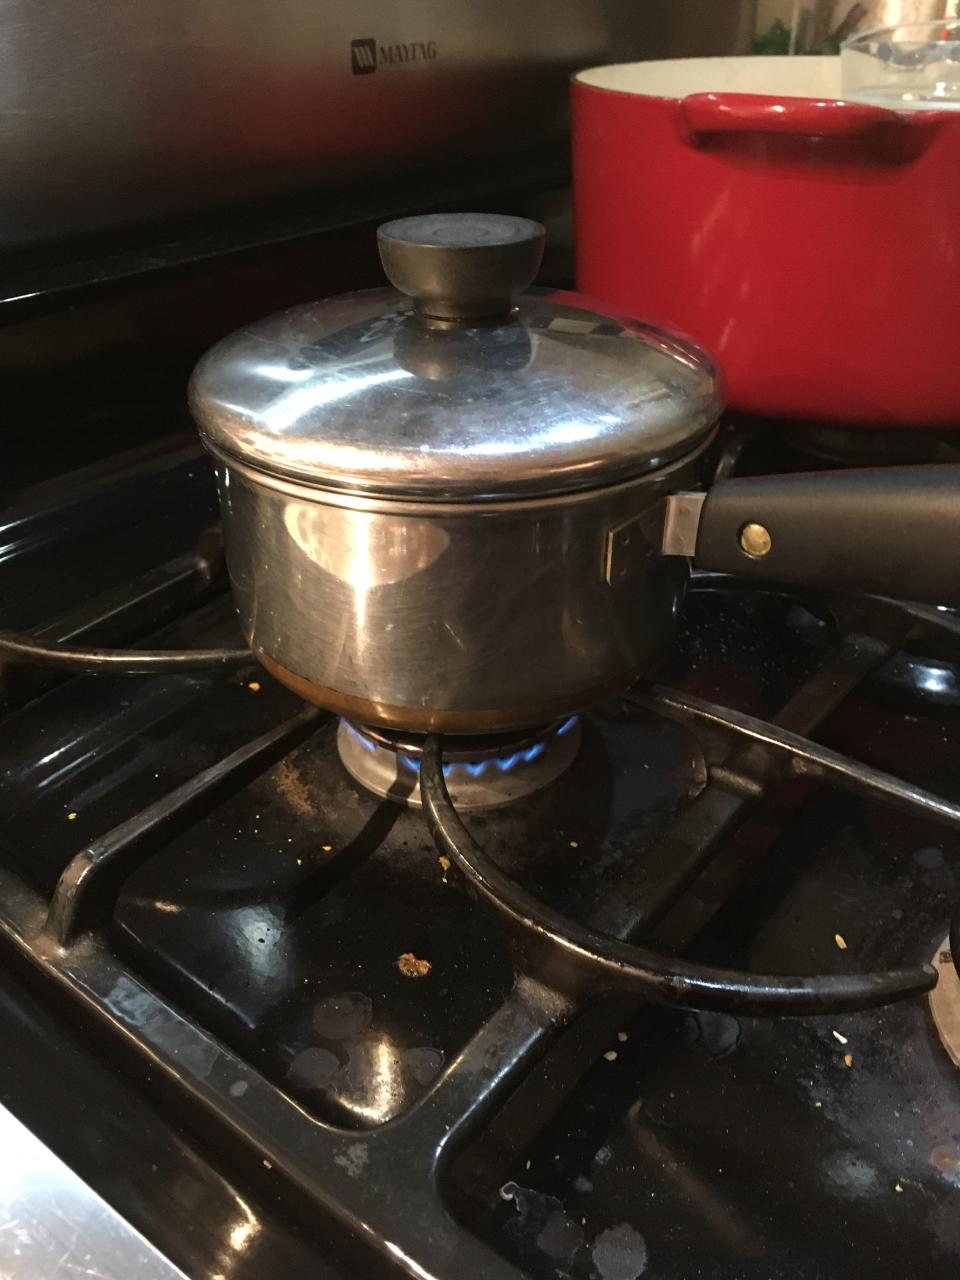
477,511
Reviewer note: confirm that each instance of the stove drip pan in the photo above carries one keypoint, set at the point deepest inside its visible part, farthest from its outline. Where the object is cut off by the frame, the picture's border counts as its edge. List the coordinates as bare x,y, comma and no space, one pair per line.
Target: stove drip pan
482,772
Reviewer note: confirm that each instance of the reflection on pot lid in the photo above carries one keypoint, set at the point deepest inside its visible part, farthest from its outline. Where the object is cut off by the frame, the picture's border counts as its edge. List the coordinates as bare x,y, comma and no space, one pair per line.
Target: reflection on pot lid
366,394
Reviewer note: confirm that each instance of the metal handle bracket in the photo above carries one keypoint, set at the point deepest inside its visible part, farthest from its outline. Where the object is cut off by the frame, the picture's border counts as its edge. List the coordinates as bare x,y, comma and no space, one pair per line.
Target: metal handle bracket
681,523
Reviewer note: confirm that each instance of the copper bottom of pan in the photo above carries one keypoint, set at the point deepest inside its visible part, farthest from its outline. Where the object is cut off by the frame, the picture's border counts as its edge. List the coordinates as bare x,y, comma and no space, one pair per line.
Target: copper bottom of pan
442,719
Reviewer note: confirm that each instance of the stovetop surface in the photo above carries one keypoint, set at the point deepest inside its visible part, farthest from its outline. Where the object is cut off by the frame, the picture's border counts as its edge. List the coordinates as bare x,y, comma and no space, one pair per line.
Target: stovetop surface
618,1139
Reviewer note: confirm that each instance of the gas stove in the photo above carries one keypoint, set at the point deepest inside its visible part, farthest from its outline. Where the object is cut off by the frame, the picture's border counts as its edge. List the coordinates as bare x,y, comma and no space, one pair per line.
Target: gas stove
299,997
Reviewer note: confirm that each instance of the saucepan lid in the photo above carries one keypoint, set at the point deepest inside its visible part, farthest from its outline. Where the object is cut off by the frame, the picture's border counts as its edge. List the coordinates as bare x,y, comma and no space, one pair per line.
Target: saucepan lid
455,385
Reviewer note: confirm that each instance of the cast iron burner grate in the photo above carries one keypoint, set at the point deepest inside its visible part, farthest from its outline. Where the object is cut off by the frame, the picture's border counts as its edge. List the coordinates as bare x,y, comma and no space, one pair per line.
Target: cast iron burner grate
376,1191
483,772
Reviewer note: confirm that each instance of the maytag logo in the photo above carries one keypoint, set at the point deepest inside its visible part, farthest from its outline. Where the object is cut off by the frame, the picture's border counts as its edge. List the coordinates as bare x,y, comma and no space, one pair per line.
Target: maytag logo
366,55
363,57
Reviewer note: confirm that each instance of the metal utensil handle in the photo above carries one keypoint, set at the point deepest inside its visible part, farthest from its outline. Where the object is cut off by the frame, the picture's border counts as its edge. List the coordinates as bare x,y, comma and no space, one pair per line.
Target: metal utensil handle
885,530
461,266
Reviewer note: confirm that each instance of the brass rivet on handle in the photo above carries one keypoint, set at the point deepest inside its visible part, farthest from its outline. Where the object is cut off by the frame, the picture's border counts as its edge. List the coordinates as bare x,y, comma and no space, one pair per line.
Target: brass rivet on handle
755,540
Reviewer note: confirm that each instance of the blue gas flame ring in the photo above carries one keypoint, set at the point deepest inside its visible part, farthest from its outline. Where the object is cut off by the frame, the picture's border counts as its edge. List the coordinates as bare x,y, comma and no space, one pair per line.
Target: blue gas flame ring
503,762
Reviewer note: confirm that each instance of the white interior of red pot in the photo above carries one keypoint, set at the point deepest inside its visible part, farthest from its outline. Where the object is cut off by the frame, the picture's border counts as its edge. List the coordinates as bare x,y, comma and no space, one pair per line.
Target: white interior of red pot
800,77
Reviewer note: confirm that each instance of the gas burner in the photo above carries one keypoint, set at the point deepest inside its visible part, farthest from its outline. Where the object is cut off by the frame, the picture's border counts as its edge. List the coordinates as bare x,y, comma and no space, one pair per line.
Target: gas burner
486,771
945,1000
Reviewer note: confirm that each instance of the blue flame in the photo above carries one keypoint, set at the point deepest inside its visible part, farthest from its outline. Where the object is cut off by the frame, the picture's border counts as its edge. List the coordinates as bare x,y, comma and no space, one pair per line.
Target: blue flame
413,764
368,744
529,754
475,768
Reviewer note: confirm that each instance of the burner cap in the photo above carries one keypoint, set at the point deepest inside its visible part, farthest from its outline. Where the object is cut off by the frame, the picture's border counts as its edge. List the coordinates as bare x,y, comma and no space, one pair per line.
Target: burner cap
481,772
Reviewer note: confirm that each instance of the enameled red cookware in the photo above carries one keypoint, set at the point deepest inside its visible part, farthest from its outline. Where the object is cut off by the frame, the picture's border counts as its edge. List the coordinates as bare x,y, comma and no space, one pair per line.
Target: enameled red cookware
812,245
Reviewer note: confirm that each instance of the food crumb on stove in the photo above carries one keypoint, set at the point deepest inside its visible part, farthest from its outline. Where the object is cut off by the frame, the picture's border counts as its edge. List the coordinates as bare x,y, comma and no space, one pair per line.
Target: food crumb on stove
327,848
611,1055
444,866
840,940
848,1059
412,967
898,1187
267,1164
71,816
838,1036
574,844
299,862
622,1037
528,1164
254,686
818,1104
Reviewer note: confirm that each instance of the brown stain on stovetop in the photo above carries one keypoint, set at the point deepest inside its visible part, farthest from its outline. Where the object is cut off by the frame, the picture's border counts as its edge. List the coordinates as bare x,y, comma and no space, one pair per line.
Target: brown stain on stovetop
946,1159
293,789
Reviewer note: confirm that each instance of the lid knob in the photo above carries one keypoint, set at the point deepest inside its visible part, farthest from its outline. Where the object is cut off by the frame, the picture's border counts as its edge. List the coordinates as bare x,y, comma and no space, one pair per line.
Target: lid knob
461,266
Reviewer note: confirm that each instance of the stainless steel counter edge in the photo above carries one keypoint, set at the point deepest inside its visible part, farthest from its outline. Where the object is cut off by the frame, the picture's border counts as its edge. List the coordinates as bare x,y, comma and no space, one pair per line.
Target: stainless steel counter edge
53,1226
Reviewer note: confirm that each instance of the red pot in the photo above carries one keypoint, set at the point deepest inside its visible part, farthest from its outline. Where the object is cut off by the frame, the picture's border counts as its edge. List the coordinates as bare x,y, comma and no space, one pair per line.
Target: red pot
811,244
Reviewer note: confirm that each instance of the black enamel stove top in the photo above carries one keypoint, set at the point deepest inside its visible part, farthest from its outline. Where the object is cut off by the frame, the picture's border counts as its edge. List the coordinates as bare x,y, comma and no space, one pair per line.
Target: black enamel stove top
291,1028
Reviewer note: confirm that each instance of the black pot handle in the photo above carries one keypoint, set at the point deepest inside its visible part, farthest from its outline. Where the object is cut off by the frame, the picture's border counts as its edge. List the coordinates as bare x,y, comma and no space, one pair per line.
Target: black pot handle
891,531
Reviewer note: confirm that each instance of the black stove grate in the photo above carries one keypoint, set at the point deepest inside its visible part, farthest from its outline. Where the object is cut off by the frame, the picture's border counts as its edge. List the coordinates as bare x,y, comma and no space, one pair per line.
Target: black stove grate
378,1189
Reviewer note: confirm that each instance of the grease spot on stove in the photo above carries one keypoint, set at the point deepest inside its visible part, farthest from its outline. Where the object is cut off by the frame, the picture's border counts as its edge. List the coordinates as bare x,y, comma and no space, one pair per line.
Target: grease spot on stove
560,1237
198,1057
542,1225
852,1174
620,1253
930,859
342,1016
423,1063
719,1033
238,1088
313,1068
353,1158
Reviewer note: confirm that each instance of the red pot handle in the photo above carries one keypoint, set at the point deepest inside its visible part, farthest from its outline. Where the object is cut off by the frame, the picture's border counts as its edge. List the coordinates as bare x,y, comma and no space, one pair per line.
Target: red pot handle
898,135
